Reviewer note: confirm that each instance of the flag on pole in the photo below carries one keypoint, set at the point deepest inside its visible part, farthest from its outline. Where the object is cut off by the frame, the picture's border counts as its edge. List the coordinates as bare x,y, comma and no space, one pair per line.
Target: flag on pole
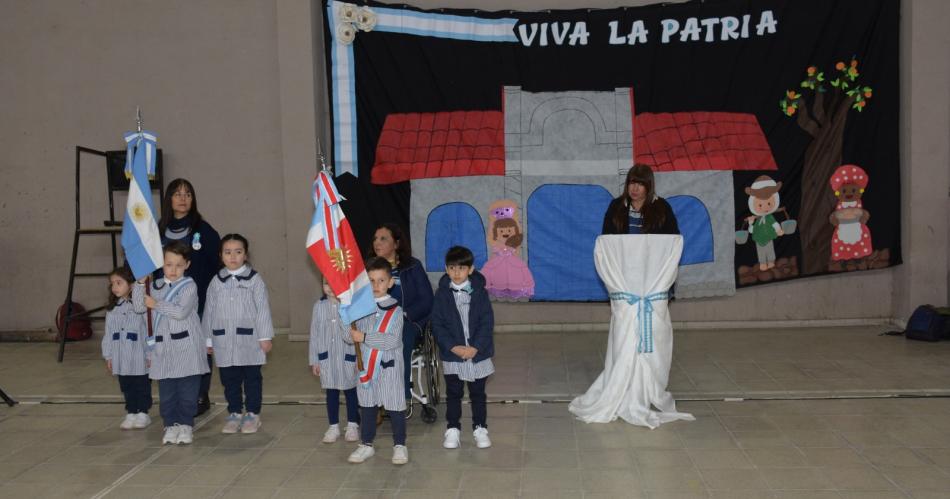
333,248
140,238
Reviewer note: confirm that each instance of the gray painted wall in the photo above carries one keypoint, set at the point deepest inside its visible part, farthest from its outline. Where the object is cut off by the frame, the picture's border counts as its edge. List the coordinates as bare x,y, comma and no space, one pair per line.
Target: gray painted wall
236,91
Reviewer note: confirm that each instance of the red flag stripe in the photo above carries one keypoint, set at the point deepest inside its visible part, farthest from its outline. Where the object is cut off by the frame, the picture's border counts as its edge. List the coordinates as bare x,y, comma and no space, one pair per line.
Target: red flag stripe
328,189
329,228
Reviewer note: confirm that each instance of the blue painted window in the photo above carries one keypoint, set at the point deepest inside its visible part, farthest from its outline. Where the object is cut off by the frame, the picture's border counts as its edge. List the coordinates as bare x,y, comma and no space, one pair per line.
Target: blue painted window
454,224
563,223
693,220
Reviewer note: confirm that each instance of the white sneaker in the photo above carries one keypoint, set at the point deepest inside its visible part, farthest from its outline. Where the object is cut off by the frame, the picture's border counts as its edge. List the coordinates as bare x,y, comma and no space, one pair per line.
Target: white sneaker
352,432
251,423
400,454
141,421
185,435
333,433
232,424
451,438
481,438
171,435
128,423
362,453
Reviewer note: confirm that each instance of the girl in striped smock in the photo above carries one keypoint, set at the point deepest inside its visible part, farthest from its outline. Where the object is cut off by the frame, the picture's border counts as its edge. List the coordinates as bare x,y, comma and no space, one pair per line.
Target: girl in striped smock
333,359
238,324
178,355
123,348
380,384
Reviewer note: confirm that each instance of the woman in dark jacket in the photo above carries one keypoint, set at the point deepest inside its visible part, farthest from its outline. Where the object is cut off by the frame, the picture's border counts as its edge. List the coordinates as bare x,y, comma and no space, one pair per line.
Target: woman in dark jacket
412,290
639,210
181,221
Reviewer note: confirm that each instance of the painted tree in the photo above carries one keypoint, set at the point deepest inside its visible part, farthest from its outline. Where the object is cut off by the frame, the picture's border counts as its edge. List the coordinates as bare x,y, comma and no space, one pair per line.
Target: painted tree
822,115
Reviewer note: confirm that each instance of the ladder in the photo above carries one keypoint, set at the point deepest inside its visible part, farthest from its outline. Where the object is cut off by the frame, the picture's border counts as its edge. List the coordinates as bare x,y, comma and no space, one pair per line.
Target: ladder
114,162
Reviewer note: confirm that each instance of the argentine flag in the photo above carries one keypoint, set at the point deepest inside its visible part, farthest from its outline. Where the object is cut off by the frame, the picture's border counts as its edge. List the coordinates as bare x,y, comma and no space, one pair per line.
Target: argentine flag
140,238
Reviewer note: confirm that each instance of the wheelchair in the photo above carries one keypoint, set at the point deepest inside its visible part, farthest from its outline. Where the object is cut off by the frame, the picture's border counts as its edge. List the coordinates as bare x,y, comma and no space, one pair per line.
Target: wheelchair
425,376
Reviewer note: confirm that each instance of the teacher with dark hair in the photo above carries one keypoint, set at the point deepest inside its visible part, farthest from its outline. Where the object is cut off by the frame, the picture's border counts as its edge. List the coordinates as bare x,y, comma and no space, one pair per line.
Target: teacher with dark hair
638,210
181,221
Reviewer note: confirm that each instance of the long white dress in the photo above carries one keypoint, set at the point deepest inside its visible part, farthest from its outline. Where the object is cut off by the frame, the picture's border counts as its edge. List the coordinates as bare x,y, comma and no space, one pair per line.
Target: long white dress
637,270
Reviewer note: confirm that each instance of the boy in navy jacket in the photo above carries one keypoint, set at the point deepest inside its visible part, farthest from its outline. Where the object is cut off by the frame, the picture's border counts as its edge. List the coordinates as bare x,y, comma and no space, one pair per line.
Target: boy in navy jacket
463,323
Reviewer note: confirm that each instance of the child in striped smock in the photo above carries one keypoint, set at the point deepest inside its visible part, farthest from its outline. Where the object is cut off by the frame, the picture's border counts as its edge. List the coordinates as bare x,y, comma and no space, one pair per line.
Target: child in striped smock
238,324
333,359
123,348
381,380
178,353
463,324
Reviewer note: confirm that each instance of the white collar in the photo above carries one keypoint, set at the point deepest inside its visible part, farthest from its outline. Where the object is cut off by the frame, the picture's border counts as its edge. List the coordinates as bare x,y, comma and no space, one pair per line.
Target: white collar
238,271
460,286
382,298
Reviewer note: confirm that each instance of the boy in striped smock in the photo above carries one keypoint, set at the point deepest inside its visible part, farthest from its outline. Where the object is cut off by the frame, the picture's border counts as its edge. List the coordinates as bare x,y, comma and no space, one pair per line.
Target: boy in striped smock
333,359
463,324
239,329
381,380
123,348
178,355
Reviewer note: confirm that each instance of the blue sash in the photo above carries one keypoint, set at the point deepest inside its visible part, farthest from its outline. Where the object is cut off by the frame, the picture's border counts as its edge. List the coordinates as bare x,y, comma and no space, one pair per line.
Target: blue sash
644,315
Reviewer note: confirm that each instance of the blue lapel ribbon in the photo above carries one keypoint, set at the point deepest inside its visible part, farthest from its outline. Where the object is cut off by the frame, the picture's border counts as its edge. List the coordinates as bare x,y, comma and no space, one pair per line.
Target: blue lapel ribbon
644,315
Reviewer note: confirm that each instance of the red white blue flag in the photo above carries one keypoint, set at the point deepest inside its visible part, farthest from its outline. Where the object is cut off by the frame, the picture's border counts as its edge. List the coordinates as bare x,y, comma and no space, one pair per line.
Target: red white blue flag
333,248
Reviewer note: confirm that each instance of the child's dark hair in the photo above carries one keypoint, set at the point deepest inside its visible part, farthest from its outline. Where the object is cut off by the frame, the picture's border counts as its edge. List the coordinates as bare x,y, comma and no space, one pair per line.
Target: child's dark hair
459,255
379,263
126,275
179,248
234,237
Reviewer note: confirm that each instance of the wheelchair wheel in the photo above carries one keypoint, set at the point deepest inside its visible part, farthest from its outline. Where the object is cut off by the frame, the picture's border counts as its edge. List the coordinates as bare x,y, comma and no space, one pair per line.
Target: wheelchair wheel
432,370
429,415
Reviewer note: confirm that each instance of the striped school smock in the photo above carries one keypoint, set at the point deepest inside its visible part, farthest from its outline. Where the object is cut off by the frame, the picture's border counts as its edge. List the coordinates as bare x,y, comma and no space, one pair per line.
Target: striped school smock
124,340
237,318
387,388
179,348
331,347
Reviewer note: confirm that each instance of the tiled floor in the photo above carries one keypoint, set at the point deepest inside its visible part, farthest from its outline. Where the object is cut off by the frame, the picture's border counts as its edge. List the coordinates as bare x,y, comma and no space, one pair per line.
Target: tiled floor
786,363
792,448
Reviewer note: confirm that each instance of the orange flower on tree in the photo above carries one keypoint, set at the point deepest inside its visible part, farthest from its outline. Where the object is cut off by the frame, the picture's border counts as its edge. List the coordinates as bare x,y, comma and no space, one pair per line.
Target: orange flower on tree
820,110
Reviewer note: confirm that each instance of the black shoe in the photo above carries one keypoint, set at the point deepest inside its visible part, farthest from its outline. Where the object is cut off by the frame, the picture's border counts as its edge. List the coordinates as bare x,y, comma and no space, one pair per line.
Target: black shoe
203,405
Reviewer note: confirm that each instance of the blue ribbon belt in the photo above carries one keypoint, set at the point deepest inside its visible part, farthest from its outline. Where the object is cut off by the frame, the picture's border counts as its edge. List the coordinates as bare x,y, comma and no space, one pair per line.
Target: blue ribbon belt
644,315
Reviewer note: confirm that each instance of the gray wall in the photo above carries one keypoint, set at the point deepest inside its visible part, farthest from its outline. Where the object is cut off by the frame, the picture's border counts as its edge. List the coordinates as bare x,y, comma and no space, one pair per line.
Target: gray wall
236,91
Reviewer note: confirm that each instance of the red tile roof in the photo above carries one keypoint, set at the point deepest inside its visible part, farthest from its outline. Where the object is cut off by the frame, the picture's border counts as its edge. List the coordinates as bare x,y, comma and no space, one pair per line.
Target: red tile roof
444,144
701,141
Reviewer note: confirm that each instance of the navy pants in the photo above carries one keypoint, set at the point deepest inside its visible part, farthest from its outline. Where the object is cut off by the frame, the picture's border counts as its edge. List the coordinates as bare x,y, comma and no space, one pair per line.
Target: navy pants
368,430
243,388
352,406
137,391
179,399
453,401
410,333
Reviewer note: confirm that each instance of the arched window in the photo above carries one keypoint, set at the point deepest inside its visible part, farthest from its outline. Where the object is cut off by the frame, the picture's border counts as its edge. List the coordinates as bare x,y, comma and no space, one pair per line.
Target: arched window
454,224
563,222
693,220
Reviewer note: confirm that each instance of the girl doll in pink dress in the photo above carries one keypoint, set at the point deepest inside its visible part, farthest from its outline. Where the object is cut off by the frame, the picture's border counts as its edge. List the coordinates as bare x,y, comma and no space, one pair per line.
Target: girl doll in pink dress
507,277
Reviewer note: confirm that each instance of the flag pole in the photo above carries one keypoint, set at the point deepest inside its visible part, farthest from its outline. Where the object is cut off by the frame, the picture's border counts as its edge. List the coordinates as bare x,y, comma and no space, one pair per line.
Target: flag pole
148,278
324,167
